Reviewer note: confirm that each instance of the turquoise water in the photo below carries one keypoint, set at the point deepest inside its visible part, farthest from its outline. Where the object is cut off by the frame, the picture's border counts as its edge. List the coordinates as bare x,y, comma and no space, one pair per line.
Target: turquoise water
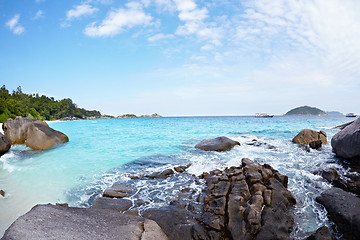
101,152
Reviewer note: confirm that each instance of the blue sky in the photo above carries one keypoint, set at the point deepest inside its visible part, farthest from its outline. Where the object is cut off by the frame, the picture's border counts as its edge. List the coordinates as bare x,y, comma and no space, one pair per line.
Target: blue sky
185,57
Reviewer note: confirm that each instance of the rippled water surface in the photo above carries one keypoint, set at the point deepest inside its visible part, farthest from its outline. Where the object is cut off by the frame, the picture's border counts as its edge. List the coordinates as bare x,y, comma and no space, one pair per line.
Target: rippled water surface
101,152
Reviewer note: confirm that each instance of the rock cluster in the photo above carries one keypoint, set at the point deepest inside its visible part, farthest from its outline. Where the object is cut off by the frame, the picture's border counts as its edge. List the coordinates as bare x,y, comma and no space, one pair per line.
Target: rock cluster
310,137
34,133
217,144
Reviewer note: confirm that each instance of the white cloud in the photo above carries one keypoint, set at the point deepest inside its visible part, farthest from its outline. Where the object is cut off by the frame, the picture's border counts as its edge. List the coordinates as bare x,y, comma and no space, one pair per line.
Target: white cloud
118,20
160,36
80,10
39,14
14,26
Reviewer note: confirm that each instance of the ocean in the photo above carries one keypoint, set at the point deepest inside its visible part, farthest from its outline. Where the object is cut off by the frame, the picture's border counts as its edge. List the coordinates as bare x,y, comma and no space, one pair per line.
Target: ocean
101,152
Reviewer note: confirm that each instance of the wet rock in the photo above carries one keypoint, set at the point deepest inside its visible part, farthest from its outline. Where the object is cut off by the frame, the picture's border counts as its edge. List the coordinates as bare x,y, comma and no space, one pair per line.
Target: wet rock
162,174
116,204
2,193
16,129
122,187
41,137
181,169
346,143
329,174
315,144
307,136
4,144
342,126
257,143
322,233
344,209
217,144
113,194
57,222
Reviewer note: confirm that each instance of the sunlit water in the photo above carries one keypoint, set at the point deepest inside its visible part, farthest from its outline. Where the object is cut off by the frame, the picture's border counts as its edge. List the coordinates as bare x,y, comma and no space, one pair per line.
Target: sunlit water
101,152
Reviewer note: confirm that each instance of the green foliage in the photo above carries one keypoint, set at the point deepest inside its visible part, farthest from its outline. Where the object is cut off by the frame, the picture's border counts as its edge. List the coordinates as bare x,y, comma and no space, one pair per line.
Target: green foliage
306,110
42,107
128,116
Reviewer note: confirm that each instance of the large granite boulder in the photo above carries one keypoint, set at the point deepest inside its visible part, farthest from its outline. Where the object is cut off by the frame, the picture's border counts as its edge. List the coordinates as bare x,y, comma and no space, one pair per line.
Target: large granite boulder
42,137
306,136
4,144
344,209
58,222
217,144
16,129
346,143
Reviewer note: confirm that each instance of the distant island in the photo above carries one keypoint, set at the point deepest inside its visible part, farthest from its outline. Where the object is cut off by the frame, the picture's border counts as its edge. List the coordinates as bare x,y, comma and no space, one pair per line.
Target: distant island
334,113
39,107
306,110
154,115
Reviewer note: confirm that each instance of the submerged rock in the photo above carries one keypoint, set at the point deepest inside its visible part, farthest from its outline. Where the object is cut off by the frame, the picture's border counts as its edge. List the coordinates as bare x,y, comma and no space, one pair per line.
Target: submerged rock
315,144
322,233
346,143
63,223
42,137
306,136
4,144
217,144
344,209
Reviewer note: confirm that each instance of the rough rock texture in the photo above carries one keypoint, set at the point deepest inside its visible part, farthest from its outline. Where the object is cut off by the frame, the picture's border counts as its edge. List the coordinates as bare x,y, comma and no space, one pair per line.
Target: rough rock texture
57,222
217,144
116,204
161,174
307,136
238,203
322,233
16,129
342,126
346,143
4,144
118,190
315,144
42,137
344,209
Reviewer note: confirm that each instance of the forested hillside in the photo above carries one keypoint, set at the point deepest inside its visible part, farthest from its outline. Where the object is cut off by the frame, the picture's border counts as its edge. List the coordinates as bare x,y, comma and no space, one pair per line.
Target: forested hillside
42,107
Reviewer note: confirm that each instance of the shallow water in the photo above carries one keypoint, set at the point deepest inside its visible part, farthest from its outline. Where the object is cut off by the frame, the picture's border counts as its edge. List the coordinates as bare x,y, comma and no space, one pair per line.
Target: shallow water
101,152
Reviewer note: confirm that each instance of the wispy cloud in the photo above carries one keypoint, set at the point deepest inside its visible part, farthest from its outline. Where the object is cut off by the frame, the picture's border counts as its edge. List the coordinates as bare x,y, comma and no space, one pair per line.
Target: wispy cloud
80,10
160,36
39,14
14,25
118,20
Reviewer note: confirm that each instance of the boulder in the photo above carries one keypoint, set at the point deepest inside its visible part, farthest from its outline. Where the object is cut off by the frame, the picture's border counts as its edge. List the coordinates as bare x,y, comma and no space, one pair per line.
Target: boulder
116,204
344,209
315,144
4,144
118,190
58,222
162,174
217,144
346,143
322,233
307,136
41,137
16,129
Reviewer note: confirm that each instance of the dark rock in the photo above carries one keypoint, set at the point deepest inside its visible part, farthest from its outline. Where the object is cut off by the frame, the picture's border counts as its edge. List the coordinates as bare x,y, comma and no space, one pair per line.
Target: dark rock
344,209
162,174
122,187
177,223
62,204
16,129
181,169
257,143
2,193
346,143
329,174
4,144
322,233
217,144
113,194
116,204
315,144
307,136
63,223
42,137
342,126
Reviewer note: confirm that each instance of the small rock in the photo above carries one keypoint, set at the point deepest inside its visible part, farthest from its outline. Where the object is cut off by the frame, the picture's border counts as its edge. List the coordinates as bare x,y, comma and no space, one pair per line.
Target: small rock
2,193
122,187
315,144
112,204
217,144
181,169
162,174
113,194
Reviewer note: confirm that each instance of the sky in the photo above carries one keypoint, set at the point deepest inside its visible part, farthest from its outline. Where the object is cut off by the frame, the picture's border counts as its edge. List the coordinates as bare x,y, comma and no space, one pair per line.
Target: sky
185,57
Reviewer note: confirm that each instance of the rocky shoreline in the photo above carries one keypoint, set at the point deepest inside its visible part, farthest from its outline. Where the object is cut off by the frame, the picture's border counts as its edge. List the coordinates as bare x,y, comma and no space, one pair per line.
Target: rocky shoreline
250,201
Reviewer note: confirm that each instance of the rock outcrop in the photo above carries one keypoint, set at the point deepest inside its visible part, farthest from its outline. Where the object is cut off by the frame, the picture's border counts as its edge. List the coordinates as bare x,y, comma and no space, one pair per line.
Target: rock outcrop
344,209
36,134
217,144
306,136
346,143
63,223
4,144
322,233
246,202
